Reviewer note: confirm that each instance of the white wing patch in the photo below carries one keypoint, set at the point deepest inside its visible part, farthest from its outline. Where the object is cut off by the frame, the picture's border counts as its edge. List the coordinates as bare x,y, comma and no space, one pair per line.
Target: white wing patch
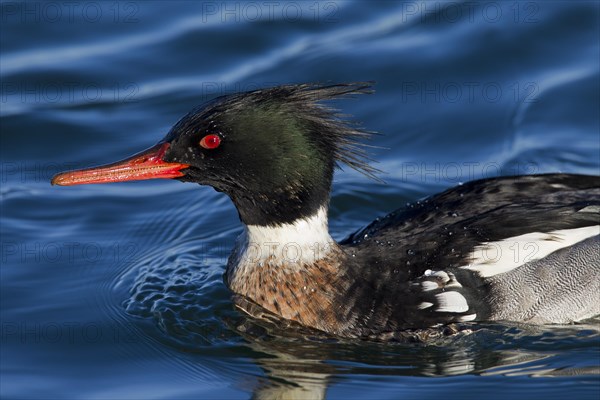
428,285
451,302
590,209
468,317
493,258
440,294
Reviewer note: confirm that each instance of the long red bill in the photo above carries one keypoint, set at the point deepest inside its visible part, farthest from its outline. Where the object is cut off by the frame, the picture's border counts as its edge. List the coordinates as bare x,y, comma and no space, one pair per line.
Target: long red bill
145,165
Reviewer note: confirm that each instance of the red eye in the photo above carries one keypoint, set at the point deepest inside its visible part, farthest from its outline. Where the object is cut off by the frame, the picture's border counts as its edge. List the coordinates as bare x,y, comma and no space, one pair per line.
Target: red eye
210,142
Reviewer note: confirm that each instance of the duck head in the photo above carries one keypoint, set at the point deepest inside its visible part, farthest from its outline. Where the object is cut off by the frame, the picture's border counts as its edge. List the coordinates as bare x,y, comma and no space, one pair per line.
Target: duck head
272,151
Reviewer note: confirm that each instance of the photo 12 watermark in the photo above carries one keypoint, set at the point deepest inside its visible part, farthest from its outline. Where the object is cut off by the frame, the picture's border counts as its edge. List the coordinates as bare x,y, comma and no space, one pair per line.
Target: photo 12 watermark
269,11
70,12
67,252
460,171
67,93
210,89
33,172
64,332
490,12
81,253
470,92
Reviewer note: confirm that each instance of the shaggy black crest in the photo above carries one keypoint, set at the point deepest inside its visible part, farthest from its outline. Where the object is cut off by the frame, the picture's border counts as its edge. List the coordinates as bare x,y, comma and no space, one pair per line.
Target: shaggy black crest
304,102
342,135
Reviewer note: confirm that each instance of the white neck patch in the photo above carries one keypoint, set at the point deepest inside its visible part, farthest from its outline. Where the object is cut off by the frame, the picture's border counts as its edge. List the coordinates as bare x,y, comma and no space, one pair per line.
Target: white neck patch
302,241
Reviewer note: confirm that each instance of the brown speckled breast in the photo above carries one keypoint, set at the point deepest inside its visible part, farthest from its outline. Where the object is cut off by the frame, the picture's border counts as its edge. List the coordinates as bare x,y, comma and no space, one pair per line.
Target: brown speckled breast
304,293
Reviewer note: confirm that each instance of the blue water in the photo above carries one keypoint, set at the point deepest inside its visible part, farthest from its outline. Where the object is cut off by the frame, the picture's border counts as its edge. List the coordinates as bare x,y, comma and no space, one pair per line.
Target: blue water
115,291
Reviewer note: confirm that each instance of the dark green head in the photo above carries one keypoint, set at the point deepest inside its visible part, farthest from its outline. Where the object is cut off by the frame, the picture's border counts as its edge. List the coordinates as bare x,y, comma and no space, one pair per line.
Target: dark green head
273,151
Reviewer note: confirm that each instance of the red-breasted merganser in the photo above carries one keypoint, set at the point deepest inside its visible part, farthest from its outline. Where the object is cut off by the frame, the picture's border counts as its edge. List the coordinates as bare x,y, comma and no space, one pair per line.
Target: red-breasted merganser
523,248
